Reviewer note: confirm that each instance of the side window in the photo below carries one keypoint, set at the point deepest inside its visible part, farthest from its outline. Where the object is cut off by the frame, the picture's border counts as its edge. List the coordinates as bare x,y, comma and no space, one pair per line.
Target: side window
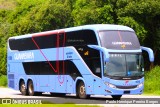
14,44
71,69
26,44
22,44
90,37
48,41
94,64
38,68
96,67
74,38
81,38
43,68
31,68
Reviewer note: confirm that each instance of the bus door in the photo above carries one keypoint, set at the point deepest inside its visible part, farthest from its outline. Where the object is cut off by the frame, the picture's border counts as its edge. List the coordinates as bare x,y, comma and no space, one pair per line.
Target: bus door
60,63
97,80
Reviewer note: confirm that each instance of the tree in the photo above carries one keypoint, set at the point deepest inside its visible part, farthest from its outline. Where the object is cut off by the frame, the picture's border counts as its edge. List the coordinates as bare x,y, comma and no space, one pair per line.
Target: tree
47,16
30,16
147,14
91,12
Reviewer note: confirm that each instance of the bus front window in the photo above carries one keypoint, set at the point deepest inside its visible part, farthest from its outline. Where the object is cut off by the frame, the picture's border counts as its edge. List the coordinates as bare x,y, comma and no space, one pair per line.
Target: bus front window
124,65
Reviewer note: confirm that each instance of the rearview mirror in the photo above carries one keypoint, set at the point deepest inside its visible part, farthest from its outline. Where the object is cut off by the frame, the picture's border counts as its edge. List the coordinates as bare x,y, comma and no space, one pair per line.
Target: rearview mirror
103,50
150,53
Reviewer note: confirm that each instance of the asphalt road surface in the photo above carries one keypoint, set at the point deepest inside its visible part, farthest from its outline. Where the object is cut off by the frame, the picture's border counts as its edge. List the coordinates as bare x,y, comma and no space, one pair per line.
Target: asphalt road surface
107,101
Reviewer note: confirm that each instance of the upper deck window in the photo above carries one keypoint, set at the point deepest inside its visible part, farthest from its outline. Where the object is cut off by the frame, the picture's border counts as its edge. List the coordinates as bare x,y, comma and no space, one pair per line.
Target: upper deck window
81,37
73,38
27,43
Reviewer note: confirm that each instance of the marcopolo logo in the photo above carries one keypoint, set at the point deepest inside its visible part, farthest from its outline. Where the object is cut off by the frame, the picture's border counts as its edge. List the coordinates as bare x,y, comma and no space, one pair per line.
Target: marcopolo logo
24,56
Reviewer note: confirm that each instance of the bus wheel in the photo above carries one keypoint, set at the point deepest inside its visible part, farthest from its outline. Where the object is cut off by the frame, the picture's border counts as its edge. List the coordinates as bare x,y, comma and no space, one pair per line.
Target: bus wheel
23,88
81,91
30,88
116,97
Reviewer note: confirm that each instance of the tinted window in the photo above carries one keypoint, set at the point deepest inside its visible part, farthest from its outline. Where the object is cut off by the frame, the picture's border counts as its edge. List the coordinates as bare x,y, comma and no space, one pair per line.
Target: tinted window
22,44
82,37
119,40
38,68
95,65
75,38
72,70
43,68
49,41
86,52
43,42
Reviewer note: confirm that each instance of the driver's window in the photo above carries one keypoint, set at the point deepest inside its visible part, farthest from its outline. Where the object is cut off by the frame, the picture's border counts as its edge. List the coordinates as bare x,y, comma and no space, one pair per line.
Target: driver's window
96,67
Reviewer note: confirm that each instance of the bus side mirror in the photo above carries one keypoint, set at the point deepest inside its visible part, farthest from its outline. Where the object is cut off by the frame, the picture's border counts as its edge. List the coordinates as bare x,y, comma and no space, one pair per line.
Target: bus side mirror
150,53
103,50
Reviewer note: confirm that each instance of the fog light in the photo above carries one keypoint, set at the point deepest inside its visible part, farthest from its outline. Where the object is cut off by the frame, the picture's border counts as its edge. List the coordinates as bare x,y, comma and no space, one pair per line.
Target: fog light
110,85
140,85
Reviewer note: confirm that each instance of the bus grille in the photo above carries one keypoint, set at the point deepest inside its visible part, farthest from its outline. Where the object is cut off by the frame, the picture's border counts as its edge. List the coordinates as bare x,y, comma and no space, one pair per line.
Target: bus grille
127,87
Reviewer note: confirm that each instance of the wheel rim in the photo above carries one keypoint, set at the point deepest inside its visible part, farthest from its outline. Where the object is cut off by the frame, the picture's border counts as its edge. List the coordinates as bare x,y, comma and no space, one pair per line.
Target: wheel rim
23,87
30,88
82,90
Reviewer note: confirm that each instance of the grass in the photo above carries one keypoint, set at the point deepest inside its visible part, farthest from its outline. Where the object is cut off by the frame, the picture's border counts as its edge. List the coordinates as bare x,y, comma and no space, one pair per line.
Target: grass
3,80
47,102
7,4
152,81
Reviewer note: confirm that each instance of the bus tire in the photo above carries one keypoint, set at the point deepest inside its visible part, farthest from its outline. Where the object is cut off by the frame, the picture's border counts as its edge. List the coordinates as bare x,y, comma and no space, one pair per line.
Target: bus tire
81,92
23,89
30,88
116,97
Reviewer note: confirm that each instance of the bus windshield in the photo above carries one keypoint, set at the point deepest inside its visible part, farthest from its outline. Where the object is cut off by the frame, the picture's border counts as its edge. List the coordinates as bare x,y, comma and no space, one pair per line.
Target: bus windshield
126,65
119,40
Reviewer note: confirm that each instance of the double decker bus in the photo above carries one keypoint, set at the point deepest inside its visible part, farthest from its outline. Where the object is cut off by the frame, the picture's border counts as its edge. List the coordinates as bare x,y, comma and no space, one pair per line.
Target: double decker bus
101,59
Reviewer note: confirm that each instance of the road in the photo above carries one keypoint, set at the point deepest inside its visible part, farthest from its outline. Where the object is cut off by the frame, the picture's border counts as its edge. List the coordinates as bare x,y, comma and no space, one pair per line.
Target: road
98,100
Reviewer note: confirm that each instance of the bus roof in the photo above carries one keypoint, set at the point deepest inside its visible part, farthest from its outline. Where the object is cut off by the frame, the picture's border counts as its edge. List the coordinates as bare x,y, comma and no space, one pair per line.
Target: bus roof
95,27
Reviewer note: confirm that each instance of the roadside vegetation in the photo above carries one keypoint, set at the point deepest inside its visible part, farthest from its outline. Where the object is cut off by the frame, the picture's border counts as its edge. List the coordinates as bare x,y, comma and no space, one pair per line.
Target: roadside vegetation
3,81
18,17
152,81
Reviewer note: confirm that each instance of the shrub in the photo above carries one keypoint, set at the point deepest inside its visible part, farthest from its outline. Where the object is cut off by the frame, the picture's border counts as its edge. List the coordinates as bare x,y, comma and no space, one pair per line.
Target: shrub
3,80
152,81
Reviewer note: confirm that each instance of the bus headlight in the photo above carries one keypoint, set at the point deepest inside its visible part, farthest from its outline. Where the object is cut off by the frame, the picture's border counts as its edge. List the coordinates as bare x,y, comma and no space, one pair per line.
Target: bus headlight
110,85
140,85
